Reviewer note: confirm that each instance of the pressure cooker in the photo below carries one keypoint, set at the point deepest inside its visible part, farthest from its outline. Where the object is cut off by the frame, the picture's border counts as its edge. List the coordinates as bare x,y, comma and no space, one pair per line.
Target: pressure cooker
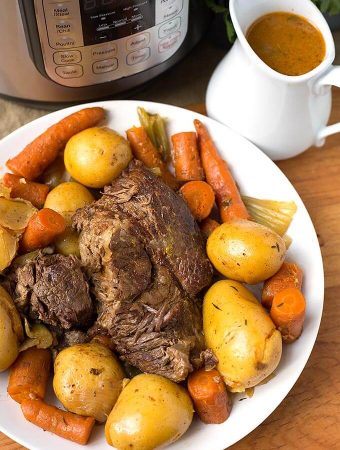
75,50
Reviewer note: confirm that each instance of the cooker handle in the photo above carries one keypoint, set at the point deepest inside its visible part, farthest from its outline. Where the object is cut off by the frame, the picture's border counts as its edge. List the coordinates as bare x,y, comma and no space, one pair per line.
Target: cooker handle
331,78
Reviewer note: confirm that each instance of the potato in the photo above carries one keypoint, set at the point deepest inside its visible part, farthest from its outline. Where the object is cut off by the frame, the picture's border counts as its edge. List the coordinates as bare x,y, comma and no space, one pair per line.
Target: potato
67,197
87,380
241,334
11,331
151,411
246,251
96,156
68,243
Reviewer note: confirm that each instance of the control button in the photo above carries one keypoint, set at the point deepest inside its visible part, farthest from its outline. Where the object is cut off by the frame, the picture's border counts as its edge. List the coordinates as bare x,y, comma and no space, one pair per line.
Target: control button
170,27
74,71
138,41
169,42
104,51
138,56
65,41
67,57
107,65
60,10
62,27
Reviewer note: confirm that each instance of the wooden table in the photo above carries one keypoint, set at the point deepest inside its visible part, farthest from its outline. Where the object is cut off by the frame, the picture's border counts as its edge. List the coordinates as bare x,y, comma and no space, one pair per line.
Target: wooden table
309,417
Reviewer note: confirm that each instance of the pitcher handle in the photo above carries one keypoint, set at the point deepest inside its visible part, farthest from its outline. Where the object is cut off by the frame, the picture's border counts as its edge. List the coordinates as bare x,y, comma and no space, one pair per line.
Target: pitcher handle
331,78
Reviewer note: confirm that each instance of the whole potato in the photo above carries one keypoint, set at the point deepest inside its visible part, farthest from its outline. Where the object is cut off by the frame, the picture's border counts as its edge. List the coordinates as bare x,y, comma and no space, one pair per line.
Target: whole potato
87,380
11,331
241,334
246,251
67,197
68,243
151,411
96,156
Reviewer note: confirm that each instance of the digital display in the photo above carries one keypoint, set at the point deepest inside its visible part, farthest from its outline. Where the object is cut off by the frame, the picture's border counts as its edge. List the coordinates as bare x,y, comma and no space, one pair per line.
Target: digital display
107,20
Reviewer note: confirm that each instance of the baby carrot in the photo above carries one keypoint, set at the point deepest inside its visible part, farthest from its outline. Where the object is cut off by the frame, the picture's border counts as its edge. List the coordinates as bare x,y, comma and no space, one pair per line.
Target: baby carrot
288,313
144,150
65,424
29,375
42,229
207,226
210,396
219,177
35,193
290,275
186,158
200,198
39,154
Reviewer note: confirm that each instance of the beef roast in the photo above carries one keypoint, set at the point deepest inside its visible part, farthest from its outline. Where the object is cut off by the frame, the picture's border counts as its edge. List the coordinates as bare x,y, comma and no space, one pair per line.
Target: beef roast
146,261
53,289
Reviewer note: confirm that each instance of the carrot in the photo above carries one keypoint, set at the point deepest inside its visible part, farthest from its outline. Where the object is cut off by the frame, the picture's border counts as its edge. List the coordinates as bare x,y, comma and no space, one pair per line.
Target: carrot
42,229
208,225
200,198
39,154
186,158
219,177
210,396
290,275
288,313
35,193
65,424
29,375
144,150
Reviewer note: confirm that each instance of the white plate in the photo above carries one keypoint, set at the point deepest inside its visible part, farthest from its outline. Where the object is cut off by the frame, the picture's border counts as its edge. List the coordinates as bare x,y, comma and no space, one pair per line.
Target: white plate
257,176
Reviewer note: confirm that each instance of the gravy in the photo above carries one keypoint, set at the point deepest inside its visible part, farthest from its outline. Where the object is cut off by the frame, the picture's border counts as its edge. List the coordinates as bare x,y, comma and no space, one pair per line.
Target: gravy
287,43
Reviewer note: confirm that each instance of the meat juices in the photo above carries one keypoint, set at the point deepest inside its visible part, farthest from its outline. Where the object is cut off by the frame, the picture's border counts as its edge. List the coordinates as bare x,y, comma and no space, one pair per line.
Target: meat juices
146,260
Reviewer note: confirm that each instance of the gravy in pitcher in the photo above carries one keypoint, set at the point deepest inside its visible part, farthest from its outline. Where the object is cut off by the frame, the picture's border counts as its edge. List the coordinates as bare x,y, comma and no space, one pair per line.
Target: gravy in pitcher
287,43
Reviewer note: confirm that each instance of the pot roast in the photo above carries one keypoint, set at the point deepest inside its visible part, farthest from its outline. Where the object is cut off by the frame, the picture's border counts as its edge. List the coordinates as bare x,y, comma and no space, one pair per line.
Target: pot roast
53,290
145,258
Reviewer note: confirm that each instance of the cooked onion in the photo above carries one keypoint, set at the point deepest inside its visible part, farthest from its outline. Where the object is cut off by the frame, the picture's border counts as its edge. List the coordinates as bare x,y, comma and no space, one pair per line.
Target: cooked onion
38,336
8,247
15,214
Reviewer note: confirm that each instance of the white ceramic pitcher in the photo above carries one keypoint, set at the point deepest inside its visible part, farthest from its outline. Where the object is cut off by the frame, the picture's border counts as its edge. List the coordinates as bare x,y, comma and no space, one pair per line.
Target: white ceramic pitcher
283,115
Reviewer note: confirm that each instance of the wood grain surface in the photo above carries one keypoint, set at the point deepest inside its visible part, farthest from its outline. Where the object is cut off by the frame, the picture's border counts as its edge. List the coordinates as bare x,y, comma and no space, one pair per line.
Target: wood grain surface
309,417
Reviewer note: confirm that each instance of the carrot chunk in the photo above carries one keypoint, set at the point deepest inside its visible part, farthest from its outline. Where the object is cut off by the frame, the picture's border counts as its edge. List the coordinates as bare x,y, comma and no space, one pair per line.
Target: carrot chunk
186,158
290,275
65,424
144,150
210,396
200,198
288,313
42,230
219,177
29,375
35,193
208,225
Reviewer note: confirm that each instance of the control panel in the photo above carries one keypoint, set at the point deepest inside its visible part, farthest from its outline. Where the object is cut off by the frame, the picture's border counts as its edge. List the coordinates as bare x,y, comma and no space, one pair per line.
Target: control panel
86,42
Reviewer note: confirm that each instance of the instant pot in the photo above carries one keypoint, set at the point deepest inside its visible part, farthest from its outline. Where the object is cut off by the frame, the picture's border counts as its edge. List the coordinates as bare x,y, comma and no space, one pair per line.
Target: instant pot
75,50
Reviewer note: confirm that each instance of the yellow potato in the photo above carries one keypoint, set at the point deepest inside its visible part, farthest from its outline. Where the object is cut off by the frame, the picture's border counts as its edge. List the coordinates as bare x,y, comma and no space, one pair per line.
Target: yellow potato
96,156
68,243
151,411
88,379
67,197
241,334
246,251
11,331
